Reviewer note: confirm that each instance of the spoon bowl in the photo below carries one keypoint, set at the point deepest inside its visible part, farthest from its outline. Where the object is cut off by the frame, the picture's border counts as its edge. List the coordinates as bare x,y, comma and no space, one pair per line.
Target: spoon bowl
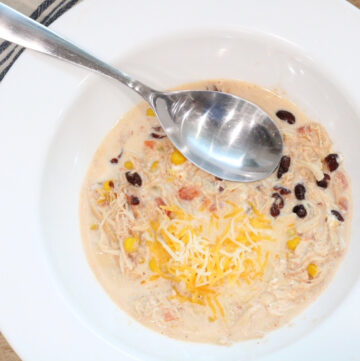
224,135
221,133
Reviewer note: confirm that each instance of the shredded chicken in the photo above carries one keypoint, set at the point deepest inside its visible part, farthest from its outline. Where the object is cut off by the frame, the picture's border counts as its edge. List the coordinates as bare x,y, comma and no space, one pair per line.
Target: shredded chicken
209,260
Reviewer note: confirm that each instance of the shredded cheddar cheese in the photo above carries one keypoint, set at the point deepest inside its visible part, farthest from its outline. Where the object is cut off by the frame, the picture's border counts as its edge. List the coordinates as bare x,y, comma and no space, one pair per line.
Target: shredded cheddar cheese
202,253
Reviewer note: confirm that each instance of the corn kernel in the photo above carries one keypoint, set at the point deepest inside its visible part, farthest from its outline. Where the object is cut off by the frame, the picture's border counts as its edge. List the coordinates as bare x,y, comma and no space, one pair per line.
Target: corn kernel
154,166
108,185
292,232
313,270
131,244
129,165
94,227
150,112
154,277
293,243
155,225
153,265
177,158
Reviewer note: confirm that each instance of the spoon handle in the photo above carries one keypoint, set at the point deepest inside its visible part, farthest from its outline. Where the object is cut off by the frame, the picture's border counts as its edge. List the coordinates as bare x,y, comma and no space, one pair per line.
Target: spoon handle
22,30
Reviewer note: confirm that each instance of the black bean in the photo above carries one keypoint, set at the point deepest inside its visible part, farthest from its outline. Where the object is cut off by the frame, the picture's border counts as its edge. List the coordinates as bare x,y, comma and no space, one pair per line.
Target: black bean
284,165
158,136
324,182
282,190
300,211
134,200
286,116
331,161
221,189
274,210
219,179
337,215
134,178
300,191
114,160
279,201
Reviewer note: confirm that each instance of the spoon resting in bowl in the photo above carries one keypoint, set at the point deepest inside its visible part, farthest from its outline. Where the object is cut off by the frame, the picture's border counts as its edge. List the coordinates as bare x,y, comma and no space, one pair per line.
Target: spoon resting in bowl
222,134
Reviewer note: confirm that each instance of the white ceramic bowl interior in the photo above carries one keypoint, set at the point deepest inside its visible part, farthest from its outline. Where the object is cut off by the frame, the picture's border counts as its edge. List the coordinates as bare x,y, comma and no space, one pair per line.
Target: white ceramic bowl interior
254,57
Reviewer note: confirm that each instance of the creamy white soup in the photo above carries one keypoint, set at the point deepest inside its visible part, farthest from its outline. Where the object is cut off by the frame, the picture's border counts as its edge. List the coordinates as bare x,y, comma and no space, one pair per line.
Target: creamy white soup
198,258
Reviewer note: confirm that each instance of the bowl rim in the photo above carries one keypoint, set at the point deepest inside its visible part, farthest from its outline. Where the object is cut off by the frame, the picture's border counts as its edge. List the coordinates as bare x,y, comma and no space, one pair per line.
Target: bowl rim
70,84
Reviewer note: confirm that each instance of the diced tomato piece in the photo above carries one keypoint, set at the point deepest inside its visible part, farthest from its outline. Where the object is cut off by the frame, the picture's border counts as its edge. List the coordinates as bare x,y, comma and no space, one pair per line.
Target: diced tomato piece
305,129
169,316
343,203
188,193
150,144
340,177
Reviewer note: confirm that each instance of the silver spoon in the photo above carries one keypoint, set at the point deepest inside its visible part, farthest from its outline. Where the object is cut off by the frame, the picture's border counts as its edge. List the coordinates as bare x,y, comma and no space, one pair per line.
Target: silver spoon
222,134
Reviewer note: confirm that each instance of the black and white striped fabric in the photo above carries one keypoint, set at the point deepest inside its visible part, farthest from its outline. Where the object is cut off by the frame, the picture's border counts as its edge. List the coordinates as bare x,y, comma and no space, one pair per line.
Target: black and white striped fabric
43,11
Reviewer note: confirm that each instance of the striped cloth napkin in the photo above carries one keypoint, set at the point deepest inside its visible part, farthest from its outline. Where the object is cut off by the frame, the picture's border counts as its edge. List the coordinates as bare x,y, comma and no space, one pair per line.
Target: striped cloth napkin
43,11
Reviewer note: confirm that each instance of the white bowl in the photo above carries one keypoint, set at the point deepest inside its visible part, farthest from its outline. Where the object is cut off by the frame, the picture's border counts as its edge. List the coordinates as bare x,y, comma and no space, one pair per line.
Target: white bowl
245,55
94,107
